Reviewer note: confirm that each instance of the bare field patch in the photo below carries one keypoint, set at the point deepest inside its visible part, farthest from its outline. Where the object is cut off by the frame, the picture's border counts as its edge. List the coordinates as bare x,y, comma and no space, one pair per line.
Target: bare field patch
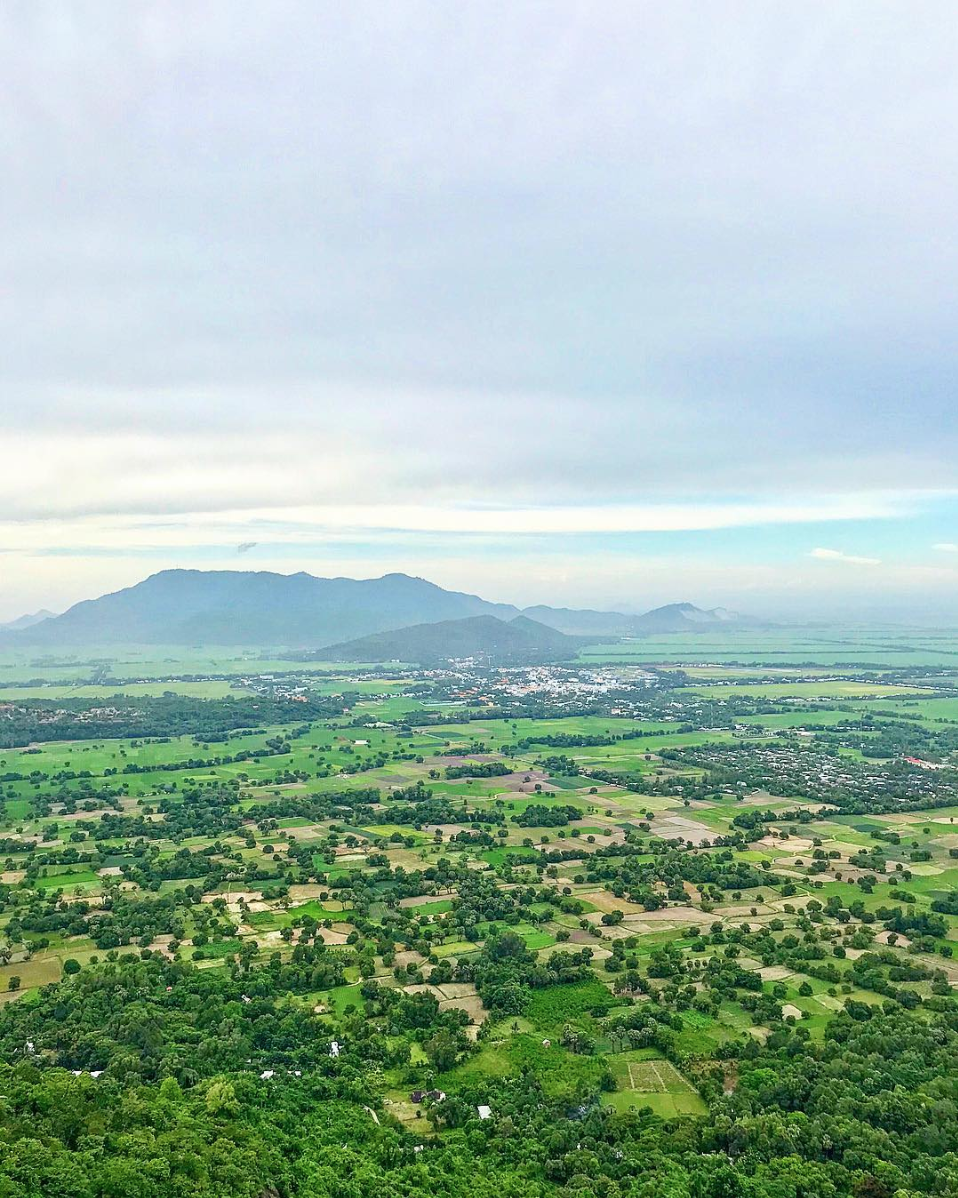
420,900
408,956
471,1004
674,829
742,912
678,915
882,938
606,903
307,832
331,936
457,990
423,988
573,946
794,844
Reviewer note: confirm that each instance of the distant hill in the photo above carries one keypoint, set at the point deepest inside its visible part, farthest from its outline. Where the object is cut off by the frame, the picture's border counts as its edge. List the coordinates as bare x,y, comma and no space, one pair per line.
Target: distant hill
234,607
230,607
485,637
686,617
27,621
675,617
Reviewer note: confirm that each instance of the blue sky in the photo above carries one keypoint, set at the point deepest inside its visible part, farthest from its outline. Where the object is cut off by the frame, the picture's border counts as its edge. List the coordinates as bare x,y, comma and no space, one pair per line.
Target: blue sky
609,305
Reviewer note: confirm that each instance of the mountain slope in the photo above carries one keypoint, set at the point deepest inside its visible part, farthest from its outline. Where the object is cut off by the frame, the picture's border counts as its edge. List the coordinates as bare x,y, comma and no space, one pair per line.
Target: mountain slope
486,637
246,607
583,623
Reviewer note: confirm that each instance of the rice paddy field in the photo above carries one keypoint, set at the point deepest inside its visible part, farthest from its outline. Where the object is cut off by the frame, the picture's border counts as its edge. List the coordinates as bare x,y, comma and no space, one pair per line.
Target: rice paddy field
880,649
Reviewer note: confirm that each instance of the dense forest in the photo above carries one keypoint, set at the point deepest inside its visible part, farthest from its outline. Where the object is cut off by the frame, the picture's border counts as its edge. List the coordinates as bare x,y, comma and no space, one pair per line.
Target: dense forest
216,1086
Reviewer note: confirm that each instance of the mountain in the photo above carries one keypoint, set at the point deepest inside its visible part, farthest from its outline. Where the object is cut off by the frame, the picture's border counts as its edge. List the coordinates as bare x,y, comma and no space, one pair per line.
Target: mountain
583,623
234,607
231,607
27,621
487,637
686,617
674,617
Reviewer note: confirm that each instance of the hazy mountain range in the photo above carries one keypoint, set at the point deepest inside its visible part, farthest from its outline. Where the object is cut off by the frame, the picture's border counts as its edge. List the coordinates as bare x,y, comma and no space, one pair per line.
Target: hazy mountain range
234,607
27,621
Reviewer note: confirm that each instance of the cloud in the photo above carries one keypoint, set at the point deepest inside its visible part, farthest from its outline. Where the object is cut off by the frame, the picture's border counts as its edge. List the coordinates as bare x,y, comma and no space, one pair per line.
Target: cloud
325,271
362,464
946,547
641,249
184,527
836,555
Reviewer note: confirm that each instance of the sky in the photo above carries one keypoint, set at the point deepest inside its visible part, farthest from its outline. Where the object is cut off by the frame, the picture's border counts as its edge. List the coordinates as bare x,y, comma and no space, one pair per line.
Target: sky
593,304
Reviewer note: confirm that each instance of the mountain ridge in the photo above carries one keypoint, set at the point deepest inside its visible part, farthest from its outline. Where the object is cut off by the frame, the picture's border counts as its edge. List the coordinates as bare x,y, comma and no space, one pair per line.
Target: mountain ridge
302,610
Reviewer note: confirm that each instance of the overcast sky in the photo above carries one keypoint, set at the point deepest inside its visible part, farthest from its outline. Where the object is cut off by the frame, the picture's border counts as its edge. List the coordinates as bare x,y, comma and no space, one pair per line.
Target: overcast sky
586,303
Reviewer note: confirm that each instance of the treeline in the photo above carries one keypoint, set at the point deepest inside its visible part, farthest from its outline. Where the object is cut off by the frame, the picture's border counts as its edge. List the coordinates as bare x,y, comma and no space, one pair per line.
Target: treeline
125,716
484,769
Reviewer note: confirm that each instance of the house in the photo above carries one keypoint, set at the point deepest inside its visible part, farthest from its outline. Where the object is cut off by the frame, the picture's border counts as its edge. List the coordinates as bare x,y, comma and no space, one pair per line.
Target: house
924,765
334,1049
485,1112
434,1095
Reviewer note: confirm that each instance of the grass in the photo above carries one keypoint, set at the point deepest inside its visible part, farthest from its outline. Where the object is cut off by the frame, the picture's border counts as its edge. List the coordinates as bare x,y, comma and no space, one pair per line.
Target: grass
210,689
562,1075
437,907
645,1079
39,971
69,879
338,999
826,689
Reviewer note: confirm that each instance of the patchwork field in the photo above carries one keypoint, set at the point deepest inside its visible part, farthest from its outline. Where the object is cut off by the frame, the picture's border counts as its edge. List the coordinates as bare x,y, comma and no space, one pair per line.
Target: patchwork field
592,888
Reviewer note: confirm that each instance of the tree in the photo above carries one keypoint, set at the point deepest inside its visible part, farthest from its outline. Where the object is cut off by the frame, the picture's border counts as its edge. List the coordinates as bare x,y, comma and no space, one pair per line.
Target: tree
442,1049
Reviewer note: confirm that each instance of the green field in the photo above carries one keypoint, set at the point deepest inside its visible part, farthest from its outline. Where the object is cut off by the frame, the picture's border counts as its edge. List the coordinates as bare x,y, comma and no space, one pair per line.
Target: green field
623,855
643,1081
